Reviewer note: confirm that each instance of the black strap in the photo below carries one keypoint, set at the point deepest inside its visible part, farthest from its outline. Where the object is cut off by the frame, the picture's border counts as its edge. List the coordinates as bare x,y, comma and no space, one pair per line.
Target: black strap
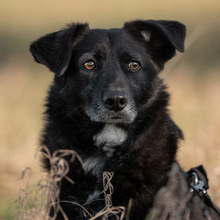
198,183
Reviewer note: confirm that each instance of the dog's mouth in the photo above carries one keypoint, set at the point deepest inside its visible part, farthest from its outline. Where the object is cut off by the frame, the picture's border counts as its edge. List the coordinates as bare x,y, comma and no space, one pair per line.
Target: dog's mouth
114,121
114,118
126,116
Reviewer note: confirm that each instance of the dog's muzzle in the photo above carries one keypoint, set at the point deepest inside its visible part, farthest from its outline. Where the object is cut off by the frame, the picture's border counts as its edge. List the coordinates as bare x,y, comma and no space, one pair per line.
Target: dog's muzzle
115,101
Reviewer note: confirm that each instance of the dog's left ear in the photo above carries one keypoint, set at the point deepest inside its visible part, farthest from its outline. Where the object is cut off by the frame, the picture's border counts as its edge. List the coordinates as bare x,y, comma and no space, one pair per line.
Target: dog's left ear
161,38
55,50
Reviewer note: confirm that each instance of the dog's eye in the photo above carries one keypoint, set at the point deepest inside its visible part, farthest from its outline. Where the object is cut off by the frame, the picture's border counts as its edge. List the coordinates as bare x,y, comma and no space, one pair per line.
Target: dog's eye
134,65
89,65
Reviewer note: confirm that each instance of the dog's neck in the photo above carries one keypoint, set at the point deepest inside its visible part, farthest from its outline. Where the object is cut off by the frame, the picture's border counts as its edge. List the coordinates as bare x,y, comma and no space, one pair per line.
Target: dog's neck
110,137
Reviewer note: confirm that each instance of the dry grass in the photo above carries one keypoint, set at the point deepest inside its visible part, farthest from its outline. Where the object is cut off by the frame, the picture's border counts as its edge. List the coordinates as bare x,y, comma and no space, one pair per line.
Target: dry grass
102,13
109,209
195,107
39,201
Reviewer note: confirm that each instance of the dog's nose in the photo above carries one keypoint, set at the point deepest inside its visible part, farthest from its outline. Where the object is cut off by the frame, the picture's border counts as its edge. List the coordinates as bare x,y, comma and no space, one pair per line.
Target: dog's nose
115,102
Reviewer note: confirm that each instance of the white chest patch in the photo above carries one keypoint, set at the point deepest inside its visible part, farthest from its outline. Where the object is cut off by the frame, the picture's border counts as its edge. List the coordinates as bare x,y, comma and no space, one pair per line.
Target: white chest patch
93,197
109,137
94,165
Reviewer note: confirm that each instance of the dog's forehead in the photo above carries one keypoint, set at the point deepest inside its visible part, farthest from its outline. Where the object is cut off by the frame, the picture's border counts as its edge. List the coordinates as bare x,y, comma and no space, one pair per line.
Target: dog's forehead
107,38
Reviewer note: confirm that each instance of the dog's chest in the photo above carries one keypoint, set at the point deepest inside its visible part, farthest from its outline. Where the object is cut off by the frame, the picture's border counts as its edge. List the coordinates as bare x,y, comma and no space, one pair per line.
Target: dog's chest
110,137
107,141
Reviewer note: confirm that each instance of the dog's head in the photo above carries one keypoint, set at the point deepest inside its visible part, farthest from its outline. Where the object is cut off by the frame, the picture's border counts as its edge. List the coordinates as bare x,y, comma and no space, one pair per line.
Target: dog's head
111,73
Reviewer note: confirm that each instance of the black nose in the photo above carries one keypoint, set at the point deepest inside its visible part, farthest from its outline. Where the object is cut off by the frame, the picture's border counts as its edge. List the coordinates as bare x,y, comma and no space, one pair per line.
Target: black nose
115,102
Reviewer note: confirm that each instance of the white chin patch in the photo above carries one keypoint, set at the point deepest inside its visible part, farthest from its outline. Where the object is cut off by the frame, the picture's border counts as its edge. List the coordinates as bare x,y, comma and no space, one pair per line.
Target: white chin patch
109,137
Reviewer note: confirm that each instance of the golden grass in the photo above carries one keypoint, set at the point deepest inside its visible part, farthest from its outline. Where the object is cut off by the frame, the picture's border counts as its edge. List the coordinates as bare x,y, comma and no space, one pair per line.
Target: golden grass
39,201
195,107
37,15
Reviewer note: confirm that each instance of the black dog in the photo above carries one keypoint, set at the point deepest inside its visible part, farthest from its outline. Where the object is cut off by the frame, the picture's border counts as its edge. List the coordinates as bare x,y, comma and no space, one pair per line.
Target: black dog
108,103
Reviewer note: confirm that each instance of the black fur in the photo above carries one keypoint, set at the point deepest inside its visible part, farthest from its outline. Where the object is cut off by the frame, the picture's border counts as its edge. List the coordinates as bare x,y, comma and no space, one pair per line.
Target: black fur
77,110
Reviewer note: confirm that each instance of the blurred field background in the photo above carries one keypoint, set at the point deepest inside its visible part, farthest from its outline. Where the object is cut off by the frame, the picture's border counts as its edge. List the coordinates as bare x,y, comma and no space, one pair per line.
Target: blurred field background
193,79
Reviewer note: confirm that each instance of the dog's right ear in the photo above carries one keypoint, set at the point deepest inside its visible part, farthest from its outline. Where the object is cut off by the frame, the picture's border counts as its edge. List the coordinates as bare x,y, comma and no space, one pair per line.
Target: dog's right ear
54,50
161,38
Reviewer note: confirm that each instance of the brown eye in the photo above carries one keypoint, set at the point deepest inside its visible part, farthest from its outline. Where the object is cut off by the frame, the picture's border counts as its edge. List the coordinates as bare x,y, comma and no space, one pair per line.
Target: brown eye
89,65
134,65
